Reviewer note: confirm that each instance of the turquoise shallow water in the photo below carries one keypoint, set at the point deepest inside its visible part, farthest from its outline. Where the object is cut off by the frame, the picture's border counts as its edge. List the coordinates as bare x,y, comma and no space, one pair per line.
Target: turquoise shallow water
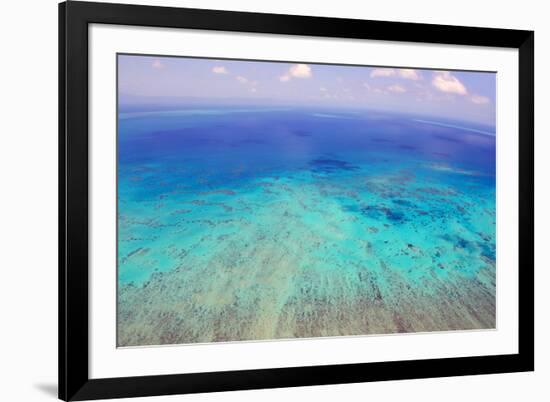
248,224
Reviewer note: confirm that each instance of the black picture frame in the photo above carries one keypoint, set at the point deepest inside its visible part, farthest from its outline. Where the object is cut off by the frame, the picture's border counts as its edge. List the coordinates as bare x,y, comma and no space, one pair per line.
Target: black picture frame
74,19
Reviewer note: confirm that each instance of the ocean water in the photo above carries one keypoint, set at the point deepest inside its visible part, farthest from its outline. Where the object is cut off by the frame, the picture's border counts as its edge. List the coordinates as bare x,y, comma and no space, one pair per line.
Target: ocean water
242,224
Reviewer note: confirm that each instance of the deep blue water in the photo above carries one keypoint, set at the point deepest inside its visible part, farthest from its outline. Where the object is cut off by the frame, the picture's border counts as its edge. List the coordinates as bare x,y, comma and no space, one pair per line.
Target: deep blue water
246,144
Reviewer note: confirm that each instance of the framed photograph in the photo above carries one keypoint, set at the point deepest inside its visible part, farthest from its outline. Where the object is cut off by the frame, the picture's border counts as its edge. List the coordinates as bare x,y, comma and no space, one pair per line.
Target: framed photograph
257,200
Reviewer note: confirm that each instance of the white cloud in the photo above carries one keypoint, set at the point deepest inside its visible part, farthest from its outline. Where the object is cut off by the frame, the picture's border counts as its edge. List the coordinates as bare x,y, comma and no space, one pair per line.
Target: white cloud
296,71
446,82
382,72
242,79
396,88
284,78
409,74
405,73
219,70
300,71
480,100
323,89
157,64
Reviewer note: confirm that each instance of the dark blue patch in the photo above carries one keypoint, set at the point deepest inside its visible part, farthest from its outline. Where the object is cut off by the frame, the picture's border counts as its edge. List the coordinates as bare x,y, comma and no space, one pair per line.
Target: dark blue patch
408,147
327,165
300,133
380,213
487,250
395,216
403,203
461,243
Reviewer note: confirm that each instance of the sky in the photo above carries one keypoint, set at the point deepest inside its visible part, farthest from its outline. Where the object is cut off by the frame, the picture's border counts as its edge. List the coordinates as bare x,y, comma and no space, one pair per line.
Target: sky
455,95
